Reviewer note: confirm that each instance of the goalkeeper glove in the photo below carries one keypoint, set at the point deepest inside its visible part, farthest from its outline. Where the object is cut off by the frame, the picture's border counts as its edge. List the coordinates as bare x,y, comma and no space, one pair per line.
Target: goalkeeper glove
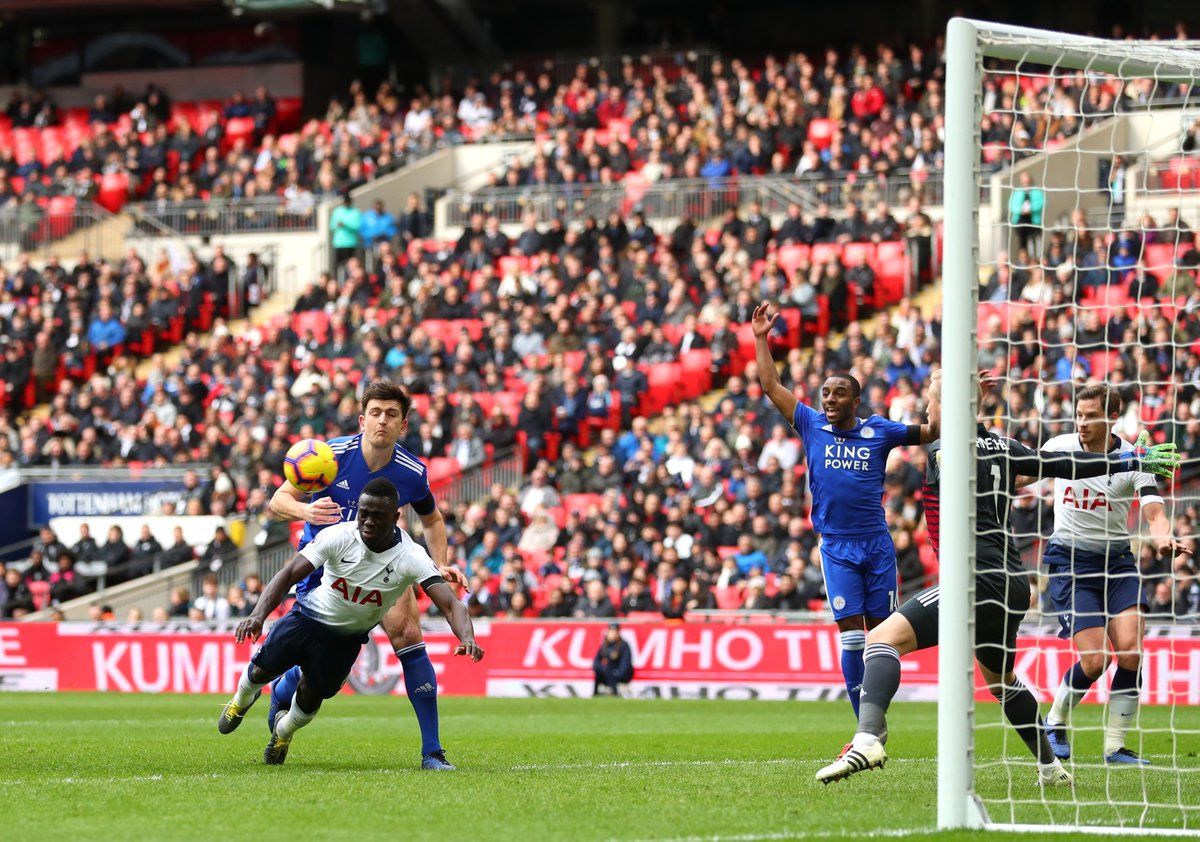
1160,459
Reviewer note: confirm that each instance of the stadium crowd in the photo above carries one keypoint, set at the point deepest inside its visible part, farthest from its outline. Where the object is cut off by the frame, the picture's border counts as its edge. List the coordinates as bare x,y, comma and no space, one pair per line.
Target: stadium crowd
557,341
55,573
857,115
690,502
59,326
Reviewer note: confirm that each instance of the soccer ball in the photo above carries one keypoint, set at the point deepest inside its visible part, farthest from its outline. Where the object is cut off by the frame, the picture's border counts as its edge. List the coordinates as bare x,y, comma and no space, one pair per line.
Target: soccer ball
310,465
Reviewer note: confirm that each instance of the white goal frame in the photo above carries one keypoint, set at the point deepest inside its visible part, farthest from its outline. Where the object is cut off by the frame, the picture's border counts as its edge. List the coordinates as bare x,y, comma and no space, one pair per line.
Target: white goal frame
968,42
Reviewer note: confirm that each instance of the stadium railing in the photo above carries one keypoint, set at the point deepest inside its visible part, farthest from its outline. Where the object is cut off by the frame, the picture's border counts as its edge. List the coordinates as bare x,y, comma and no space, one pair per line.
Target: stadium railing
450,489
698,198
264,562
224,216
37,226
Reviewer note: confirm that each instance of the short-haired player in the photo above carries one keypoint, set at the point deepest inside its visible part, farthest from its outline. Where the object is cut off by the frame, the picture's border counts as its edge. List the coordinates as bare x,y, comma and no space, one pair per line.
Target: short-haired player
1094,582
375,451
847,458
365,566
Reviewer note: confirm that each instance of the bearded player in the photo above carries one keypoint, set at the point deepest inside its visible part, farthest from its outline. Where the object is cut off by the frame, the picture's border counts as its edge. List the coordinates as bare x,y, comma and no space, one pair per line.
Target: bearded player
1002,594
1094,580
376,452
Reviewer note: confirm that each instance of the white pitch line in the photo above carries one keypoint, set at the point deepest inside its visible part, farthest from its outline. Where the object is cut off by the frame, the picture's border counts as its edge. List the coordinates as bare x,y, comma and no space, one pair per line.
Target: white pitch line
525,767
797,834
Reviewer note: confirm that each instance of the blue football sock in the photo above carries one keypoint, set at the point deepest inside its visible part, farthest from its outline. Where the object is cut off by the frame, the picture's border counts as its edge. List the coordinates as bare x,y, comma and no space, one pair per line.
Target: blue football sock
285,687
421,683
853,643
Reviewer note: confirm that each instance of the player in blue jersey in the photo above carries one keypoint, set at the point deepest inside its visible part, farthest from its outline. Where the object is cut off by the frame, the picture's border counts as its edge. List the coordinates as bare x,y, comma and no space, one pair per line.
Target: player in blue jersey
372,453
847,458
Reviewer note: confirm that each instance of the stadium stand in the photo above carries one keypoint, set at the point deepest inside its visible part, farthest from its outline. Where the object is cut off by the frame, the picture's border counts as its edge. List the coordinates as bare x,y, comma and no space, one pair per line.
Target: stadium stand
617,359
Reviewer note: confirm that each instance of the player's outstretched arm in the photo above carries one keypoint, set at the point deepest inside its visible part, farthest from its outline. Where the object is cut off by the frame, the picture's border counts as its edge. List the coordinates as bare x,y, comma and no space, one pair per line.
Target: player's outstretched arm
768,375
1159,459
289,503
460,621
279,586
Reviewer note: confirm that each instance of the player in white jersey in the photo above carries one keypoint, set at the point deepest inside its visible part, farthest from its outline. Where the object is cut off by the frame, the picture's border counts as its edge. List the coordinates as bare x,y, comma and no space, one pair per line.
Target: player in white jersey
1094,581
366,564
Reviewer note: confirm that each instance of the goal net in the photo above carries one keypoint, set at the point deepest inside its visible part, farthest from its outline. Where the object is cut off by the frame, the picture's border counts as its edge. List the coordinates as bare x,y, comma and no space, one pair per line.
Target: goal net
1072,206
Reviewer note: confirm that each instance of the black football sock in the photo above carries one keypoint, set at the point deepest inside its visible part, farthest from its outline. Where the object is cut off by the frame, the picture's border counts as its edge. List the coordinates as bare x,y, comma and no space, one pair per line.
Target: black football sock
1021,710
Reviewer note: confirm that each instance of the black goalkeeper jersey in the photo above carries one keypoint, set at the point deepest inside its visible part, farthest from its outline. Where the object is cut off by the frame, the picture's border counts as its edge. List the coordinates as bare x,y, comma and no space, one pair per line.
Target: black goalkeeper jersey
998,463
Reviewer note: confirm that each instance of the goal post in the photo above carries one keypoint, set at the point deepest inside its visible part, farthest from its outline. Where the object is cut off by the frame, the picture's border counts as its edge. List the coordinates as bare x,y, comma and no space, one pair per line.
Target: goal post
970,45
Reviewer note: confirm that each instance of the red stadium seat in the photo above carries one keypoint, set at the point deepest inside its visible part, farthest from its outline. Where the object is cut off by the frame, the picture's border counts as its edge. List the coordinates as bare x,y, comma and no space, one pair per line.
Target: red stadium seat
60,213
728,599
40,591
442,469
790,256
663,387
1159,258
697,370
853,252
826,252
239,128
287,114
315,320
1102,363
581,503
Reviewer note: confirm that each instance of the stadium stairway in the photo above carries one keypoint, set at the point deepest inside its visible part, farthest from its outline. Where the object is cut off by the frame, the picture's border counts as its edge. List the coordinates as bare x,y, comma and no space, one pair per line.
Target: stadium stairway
104,239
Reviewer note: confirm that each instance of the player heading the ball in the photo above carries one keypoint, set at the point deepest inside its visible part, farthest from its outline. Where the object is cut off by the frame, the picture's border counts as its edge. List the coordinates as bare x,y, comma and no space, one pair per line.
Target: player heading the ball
375,451
365,566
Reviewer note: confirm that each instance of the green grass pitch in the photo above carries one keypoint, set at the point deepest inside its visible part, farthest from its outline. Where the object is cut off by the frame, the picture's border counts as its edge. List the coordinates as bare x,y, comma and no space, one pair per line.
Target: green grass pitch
154,767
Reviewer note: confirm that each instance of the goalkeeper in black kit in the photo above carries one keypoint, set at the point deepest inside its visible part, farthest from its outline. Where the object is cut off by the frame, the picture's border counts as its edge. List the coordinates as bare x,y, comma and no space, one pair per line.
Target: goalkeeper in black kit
1002,594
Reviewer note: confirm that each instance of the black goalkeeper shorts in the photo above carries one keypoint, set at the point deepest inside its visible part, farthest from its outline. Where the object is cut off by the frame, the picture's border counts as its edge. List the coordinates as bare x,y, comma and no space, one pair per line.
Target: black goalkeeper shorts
997,618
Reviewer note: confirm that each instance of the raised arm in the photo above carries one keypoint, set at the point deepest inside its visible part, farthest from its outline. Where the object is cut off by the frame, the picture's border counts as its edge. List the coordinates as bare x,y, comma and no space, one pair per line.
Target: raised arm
288,503
460,621
768,375
281,583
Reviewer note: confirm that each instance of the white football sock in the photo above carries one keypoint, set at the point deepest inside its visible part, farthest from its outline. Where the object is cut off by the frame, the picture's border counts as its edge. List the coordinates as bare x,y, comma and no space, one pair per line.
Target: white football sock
1066,698
246,690
1122,710
293,720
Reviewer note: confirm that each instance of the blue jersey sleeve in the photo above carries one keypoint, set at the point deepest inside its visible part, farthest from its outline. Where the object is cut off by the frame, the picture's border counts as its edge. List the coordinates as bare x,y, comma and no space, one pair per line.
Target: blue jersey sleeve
803,418
896,434
410,477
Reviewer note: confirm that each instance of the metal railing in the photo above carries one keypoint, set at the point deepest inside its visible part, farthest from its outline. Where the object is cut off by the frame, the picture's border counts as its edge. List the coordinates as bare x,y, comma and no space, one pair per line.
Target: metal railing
507,469
32,227
264,563
561,65
699,198
109,473
223,216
